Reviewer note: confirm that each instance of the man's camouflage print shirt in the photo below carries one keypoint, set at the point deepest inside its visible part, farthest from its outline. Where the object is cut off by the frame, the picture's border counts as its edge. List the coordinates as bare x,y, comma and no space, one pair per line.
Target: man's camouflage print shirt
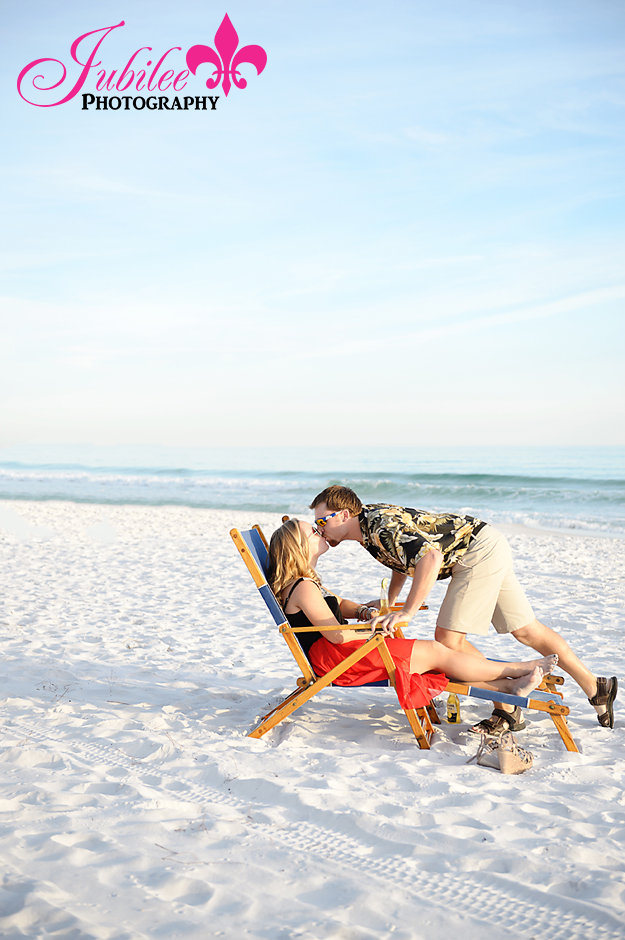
398,538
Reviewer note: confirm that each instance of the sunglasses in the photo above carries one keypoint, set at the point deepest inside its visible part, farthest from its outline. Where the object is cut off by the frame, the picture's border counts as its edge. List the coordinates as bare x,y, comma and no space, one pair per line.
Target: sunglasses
324,519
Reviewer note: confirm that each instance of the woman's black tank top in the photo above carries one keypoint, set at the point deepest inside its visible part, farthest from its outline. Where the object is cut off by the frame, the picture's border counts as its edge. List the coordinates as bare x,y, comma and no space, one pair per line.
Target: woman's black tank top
299,619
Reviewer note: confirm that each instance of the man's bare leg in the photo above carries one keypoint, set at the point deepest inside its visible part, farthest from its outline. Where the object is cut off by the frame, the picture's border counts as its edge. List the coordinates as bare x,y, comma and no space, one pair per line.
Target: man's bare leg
544,640
456,641
538,636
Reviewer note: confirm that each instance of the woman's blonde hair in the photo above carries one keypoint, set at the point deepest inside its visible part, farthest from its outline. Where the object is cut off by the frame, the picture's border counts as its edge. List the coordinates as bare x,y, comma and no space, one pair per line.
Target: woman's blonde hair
288,557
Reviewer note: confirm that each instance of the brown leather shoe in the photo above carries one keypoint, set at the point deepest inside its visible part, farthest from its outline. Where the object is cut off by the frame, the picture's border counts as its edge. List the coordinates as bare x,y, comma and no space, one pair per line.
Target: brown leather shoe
499,722
606,693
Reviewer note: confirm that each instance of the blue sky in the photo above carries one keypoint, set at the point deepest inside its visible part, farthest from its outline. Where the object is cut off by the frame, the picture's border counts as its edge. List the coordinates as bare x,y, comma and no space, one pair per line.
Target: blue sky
408,228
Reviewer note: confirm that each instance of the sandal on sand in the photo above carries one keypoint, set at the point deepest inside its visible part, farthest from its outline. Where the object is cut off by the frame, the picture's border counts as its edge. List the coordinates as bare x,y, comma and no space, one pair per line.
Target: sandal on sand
500,722
606,693
503,754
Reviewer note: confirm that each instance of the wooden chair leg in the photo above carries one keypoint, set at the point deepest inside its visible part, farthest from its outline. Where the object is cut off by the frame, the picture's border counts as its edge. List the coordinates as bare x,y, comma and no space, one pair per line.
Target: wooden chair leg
275,716
424,718
307,691
563,729
423,738
433,713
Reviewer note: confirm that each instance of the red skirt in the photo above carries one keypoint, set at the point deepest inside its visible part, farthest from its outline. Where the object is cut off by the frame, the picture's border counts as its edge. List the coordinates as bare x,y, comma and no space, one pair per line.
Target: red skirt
413,690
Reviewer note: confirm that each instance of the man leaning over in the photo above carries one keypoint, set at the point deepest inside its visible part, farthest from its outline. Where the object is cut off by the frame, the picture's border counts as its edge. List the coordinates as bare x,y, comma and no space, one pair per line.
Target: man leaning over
483,587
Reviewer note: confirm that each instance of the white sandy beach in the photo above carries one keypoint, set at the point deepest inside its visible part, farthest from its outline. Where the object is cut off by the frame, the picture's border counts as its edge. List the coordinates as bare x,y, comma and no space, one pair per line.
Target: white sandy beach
136,656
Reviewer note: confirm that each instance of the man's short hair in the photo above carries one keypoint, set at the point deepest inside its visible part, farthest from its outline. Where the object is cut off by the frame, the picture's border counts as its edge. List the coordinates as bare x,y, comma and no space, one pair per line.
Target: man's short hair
337,498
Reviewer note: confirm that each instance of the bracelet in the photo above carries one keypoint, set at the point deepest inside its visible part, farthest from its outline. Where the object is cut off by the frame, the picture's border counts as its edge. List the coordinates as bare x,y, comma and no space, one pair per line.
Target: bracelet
363,613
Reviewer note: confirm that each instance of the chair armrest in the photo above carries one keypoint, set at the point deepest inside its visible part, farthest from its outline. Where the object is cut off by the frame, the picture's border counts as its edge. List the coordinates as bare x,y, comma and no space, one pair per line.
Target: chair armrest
396,607
362,628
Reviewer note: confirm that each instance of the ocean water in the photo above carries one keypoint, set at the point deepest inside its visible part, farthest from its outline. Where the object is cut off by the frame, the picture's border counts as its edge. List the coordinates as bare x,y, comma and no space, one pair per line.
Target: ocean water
562,488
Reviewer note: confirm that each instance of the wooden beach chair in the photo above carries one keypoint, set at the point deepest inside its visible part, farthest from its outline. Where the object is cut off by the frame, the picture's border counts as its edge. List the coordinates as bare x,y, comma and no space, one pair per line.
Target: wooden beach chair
252,547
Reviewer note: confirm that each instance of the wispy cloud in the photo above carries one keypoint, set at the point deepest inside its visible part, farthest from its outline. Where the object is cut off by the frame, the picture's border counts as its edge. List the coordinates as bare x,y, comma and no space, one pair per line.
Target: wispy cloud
592,298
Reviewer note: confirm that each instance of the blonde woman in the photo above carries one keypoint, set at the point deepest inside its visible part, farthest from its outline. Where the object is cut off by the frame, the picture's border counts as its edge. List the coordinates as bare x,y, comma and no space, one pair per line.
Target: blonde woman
424,667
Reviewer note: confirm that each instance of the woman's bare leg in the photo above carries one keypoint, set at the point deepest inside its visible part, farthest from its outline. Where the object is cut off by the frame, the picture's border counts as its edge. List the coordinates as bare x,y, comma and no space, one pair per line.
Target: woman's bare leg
521,686
429,654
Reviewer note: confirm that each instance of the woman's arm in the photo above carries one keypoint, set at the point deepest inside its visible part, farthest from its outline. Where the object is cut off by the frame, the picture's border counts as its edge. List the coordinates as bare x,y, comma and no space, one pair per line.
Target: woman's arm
351,610
309,599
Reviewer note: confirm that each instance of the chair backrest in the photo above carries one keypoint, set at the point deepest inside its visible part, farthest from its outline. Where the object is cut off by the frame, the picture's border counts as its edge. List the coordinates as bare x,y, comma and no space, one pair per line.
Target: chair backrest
253,550
252,547
257,546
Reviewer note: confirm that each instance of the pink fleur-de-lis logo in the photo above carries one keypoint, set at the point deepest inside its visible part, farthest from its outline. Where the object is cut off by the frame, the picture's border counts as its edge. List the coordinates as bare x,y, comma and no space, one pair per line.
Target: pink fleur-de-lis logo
226,41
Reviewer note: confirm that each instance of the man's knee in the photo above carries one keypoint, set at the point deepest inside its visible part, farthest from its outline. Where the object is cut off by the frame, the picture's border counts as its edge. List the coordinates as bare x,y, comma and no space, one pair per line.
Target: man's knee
449,638
529,633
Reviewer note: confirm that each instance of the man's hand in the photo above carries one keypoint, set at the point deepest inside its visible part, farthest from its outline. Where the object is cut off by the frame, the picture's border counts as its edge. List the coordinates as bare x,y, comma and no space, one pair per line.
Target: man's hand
389,623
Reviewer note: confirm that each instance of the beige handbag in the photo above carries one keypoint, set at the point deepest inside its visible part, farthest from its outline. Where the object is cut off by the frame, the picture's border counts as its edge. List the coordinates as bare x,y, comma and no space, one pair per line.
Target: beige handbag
503,754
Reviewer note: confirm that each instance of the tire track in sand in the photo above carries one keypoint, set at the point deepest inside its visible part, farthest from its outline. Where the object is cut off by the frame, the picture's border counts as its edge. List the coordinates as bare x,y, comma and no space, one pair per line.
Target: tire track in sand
485,897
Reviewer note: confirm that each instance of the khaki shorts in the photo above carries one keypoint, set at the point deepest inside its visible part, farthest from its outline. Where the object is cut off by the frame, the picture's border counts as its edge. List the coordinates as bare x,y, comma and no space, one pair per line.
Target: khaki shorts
484,590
